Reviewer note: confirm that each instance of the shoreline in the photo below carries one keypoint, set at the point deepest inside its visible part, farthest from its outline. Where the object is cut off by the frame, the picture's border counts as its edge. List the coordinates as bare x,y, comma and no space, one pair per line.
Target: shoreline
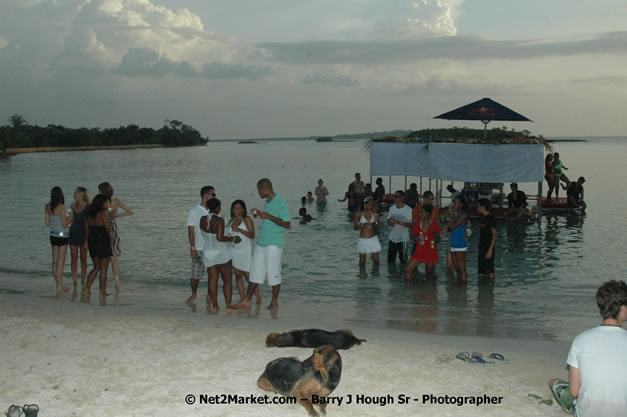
15,151
79,359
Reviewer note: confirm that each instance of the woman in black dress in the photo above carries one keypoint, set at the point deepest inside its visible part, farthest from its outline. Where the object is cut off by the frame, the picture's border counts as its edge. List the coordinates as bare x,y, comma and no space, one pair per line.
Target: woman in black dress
78,234
98,242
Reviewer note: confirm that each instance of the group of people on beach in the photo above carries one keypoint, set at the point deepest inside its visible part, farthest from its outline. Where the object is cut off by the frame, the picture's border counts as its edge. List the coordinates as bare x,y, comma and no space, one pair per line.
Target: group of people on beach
85,226
223,247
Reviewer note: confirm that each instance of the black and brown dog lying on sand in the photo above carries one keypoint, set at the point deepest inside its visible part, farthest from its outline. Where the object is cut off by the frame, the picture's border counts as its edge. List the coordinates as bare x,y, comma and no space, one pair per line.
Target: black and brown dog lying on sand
312,338
317,375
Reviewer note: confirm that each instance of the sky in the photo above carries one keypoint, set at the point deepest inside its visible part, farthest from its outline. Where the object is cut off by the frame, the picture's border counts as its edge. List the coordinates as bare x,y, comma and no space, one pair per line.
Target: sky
287,68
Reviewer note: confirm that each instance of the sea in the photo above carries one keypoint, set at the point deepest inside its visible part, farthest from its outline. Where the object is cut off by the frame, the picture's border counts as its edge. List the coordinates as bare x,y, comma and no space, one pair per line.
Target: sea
547,270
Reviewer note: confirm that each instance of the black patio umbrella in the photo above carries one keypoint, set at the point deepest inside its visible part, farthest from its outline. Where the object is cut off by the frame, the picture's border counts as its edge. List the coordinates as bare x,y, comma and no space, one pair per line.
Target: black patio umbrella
485,110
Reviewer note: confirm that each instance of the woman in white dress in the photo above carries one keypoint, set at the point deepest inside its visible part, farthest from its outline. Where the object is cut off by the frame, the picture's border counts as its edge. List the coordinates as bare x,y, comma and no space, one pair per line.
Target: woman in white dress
217,255
242,226
366,221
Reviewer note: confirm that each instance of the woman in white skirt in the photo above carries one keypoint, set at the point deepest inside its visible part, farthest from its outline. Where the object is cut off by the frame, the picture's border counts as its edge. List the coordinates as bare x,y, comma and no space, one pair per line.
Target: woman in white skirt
217,255
366,221
242,226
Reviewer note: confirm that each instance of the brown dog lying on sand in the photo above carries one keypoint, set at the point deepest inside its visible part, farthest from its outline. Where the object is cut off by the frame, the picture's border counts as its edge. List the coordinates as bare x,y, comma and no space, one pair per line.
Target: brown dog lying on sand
317,375
312,338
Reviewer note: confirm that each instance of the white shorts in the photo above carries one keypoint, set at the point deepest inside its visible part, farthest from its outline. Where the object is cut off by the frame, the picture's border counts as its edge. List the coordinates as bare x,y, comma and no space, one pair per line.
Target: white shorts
459,249
370,245
266,263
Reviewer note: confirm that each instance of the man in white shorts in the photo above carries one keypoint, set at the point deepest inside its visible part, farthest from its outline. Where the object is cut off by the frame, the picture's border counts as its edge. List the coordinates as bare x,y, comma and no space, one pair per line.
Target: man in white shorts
597,364
196,241
266,263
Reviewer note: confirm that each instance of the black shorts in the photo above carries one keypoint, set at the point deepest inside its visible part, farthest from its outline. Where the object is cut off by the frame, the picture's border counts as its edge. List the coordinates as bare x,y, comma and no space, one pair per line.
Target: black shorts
486,266
59,241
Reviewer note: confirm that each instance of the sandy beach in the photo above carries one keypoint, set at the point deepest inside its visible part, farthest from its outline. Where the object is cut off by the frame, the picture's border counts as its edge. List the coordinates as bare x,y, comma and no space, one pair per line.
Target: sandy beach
87,360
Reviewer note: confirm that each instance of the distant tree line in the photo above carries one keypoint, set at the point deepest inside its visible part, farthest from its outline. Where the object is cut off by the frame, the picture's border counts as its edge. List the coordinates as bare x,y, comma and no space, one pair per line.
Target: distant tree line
467,133
20,134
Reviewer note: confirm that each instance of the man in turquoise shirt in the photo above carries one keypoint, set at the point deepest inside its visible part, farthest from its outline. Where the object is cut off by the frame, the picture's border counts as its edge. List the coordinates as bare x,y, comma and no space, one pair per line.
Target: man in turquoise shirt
266,261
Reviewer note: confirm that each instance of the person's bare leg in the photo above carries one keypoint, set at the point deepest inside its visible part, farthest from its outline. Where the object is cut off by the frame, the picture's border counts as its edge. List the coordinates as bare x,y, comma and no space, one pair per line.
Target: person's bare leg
104,266
275,297
115,267
194,284
92,276
450,264
55,256
410,268
375,258
62,254
257,292
226,271
429,269
362,259
460,265
239,282
83,253
213,288
74,263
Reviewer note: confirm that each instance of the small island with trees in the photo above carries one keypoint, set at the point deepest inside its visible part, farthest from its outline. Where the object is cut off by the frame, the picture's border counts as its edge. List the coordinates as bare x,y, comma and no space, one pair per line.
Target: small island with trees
20,136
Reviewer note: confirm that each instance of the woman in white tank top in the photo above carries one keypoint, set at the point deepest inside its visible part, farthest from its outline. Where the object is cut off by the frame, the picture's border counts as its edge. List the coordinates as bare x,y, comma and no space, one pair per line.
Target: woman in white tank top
217,255
241,225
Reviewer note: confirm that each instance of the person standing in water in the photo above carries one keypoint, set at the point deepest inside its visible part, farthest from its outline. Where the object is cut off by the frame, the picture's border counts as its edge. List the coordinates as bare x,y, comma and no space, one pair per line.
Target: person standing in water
242,225
107,190
57,219
266,263
78,234
487,239
366,222
321,192
99,242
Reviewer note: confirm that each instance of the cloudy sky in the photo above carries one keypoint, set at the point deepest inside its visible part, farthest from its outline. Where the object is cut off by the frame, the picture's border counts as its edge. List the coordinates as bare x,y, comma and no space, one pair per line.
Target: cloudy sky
262,68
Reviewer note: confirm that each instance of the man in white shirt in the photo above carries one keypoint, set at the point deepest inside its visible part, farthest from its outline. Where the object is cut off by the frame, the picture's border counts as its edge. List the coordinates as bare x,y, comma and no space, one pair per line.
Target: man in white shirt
196,240
597,361
399,217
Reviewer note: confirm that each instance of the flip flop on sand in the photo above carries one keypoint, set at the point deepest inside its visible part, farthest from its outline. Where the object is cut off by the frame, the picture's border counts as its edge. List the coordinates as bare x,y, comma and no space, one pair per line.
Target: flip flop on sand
539,399
14,411
30,410
463,356
498,357
478,359
444,358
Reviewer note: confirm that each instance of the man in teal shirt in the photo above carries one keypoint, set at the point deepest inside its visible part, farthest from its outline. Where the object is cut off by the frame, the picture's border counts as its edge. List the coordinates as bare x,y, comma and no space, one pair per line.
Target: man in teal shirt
266,261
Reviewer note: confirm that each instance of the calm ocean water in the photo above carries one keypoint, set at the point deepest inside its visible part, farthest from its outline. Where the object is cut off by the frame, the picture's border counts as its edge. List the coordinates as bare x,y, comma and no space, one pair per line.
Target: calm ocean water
547,271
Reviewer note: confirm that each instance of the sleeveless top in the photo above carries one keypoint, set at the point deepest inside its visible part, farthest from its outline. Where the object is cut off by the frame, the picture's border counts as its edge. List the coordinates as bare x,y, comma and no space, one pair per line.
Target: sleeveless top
458,235
77,228
56,227
245,243
213,248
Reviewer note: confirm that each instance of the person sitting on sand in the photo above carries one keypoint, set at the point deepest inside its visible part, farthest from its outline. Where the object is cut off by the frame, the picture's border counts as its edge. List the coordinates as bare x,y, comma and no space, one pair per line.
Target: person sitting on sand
597,382
321,192
217,254
516,203
574,192
98,242
304,217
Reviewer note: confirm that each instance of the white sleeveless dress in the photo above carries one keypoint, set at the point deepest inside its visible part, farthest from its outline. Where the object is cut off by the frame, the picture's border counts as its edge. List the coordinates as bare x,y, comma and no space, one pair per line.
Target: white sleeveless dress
241,252
213,251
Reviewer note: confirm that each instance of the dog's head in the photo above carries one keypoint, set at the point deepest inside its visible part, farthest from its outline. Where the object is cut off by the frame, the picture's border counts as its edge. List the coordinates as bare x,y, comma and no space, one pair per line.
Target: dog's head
279,339
324,359
270,339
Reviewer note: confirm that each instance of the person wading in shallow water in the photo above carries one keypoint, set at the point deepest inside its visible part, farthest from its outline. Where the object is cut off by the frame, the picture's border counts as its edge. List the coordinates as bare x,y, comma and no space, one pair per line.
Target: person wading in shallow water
266,263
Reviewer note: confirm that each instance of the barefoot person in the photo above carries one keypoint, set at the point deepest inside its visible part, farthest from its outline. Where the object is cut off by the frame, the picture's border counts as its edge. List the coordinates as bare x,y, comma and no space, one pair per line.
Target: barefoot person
99,242
428,233
78,235
266,262
217,255
459,246
242,225
487,239
194,236
57,219
366,222
597,382
107,189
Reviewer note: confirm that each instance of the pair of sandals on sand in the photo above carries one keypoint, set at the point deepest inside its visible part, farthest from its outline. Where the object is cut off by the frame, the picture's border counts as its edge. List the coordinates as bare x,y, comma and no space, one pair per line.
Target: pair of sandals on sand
477,358
27,410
